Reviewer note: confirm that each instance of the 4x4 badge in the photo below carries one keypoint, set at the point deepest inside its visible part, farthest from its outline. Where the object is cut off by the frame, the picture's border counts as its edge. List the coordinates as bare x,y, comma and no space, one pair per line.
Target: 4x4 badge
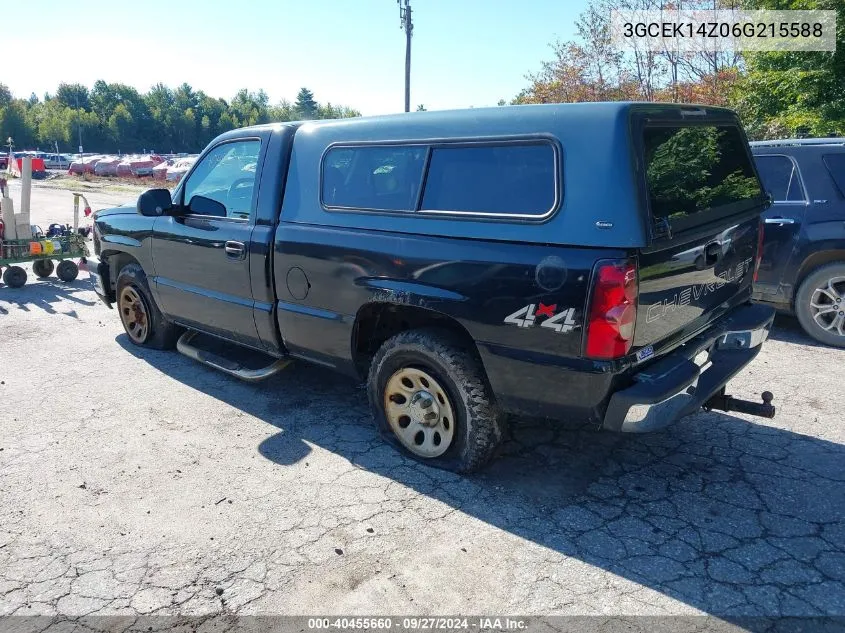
563,321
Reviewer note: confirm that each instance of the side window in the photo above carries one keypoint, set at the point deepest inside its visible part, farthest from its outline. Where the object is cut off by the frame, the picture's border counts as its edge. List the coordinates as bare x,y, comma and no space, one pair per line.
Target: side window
780,178
835,164
499,179
379,178
226,175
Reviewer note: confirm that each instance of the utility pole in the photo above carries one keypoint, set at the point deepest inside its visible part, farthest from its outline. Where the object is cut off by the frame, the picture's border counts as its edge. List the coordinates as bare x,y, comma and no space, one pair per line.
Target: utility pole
408,25
79,125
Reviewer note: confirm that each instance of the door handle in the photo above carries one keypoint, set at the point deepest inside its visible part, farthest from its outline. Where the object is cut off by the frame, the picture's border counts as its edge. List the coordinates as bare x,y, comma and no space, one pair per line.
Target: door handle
780,221
235,250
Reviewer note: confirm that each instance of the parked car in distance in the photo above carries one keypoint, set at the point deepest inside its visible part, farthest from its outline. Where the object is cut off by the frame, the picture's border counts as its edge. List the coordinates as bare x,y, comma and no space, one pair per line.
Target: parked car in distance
802,270
466,264
56,161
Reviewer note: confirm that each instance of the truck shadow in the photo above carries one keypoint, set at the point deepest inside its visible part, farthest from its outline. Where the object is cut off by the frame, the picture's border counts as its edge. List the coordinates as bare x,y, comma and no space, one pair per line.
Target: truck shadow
737,519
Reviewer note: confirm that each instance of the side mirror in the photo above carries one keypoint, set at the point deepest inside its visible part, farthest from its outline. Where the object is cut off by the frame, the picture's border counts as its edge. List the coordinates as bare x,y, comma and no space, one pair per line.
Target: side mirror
200,205
154,202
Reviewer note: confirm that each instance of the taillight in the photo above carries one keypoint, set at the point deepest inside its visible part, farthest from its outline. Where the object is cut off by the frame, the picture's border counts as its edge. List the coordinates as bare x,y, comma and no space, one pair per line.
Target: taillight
759,257
613,309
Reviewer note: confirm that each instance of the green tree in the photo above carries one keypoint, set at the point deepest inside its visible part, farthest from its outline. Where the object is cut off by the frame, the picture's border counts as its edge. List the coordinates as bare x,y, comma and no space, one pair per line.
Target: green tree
123,128
115,116
14,122
249,108
782,93
73,96
282,111
225,123
54,122
306,106
421,108
5,96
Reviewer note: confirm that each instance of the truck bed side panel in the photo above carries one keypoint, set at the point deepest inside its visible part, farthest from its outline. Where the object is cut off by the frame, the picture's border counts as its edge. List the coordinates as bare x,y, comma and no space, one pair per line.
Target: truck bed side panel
492,291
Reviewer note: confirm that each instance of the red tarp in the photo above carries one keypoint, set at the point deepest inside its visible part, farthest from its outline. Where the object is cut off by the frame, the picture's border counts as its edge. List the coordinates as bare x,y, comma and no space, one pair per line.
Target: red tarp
37,165
106,167
136,166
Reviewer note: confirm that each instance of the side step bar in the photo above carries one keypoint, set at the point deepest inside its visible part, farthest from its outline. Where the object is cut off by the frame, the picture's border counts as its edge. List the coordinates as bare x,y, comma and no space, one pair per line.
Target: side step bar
224,364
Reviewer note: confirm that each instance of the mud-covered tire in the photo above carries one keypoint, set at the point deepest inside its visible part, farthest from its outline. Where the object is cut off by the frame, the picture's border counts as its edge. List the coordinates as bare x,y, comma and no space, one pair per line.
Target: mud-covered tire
808,315
42,268
14,277
67,271
160,333
479,425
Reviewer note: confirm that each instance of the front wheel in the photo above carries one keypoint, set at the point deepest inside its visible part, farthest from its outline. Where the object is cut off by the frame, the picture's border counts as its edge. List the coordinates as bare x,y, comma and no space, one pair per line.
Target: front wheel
820,304
143,321
430,398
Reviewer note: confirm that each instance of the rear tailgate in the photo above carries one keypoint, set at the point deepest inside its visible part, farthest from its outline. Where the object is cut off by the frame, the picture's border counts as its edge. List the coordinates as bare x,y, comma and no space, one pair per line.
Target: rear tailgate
704,199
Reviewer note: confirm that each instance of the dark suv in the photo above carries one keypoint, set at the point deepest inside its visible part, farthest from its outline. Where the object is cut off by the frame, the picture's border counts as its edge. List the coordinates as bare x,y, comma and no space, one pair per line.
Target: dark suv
802,270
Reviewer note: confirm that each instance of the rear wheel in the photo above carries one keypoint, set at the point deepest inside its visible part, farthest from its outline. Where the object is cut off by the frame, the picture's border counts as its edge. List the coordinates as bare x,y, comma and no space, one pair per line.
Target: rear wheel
42,267
14,277
67,270
430,398
820,304
143,321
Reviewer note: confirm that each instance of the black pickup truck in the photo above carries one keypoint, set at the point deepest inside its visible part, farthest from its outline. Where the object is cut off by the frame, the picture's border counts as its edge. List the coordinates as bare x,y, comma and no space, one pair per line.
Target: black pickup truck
579,261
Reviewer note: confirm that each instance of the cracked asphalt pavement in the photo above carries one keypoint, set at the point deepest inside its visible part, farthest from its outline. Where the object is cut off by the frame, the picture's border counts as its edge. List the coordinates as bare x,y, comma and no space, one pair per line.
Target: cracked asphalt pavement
138,482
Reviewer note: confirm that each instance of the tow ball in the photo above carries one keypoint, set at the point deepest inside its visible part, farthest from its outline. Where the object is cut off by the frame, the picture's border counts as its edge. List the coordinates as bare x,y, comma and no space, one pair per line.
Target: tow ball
724,402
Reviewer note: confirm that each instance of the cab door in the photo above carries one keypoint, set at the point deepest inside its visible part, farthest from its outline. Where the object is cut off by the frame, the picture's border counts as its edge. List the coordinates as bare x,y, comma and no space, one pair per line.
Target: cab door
783,220
201,250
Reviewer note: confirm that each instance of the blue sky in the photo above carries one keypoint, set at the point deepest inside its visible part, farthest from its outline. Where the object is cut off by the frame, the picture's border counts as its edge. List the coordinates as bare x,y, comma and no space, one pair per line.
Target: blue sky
350,52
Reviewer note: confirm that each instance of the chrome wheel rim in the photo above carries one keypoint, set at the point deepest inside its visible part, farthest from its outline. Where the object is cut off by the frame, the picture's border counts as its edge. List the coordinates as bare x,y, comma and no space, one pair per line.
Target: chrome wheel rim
419,412
133,313
827,306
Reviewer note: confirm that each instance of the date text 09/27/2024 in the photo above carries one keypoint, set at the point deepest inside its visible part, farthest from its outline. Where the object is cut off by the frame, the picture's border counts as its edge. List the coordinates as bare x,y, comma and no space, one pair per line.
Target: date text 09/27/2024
419,623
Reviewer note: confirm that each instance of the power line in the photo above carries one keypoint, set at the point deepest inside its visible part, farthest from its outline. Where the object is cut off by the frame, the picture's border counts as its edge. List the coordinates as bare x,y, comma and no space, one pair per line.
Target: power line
408,26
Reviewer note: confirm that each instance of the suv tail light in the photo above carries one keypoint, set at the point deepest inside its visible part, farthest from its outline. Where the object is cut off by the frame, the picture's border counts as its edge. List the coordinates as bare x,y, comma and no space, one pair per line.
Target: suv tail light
759,256
613,309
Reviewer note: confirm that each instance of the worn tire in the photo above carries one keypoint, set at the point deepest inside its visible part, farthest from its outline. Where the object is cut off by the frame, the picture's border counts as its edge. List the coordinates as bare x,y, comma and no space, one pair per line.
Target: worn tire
14,277
479,424
161,334
804,311
42,268
67,270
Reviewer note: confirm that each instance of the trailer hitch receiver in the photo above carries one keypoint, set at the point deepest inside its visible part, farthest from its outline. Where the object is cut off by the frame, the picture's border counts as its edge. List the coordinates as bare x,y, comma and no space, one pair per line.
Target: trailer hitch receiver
723,402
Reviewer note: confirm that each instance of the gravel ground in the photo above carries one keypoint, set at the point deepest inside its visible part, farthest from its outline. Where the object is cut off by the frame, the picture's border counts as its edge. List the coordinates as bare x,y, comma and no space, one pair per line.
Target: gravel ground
140,482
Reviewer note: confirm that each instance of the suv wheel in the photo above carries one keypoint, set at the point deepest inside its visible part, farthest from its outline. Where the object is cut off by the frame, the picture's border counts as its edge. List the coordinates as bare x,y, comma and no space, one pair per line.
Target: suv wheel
143,321
430,398
820,304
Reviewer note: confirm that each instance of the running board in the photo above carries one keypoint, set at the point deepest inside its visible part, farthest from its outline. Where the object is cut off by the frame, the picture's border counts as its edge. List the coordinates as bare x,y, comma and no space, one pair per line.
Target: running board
226,365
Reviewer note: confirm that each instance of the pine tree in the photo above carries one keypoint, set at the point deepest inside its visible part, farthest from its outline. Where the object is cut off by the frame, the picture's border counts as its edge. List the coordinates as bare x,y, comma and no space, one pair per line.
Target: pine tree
306,106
